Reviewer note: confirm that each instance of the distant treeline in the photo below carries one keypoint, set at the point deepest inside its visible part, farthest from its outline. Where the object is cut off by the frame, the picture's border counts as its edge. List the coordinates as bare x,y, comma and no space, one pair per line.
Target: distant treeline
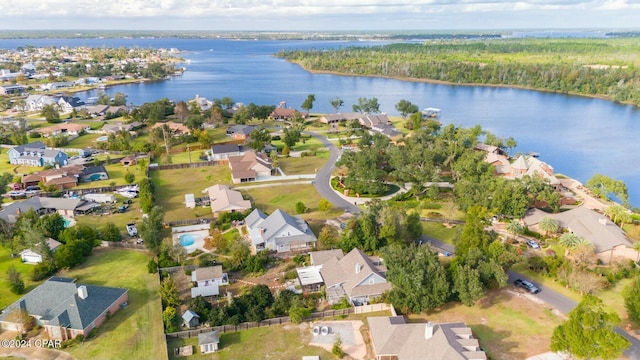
594,67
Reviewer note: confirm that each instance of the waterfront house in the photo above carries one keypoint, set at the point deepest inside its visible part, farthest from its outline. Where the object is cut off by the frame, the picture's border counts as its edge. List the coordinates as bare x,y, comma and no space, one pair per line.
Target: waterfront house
393,338
70,129
278,232
64,308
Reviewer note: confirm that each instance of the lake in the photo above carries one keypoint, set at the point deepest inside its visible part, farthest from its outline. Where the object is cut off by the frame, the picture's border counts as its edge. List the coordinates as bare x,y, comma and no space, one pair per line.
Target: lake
578,136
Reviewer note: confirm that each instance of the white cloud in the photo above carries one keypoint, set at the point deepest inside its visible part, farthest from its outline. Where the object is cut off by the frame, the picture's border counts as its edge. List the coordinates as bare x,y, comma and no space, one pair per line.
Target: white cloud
192,14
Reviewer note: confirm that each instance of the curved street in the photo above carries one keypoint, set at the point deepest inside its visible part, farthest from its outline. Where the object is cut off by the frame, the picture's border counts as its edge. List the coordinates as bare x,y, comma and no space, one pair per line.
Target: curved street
549,296
323,177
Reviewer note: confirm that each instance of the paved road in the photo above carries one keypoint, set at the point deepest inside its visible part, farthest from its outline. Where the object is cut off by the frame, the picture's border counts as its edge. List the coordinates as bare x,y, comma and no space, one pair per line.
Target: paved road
549,296
323,177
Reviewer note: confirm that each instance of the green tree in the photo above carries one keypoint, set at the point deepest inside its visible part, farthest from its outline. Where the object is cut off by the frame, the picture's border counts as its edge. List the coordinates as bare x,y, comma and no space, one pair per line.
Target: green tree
419,280
515,228
328,238
146,195
590,332
169,292
467,284
300,207
50,113
129,177
16,284
549,225
259,138
405,108
308,102
631,296
336,103
324,205
171,319
110,232
604,187
368,106
151,228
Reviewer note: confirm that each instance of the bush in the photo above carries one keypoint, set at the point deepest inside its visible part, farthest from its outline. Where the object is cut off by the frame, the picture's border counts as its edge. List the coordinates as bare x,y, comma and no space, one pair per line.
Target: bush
300,207
152,266
129,177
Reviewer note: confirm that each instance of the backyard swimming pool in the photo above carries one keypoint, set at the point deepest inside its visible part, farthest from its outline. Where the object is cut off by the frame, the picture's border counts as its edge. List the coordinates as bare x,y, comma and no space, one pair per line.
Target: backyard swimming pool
102,138
190,237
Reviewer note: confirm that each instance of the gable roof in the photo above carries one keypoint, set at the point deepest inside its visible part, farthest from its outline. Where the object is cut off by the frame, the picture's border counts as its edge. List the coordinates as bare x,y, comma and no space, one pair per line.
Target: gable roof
207,273
211,337
223,198
56,302
248,165
189,315
323,256
587,224
269,229
350,271
240,129
393,337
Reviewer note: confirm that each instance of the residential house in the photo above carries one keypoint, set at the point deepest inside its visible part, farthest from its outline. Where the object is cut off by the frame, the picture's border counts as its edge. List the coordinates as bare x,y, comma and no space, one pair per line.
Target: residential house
94,173
8,90
208,280
281,113
190,319
175,128
64,308
278,232
249,167
240,132
62,178
608,239
128,161
41,205
36,154
38,102
118,127
378,123
66,104
209,342
224,151
102,110
34,256
69,129
393,338
339,117
202,103
222,198
355,276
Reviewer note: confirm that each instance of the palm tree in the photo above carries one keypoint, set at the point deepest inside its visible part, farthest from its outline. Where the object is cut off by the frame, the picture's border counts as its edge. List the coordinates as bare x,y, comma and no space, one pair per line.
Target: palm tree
570,240
515,228
549,225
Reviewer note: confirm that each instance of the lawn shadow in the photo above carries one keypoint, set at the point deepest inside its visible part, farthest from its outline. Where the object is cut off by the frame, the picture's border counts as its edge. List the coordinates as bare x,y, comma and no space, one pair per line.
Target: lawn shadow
231,338
494,344
495,297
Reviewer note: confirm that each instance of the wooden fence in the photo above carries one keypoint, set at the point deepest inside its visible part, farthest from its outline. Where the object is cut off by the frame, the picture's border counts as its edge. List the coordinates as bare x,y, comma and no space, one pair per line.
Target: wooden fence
263,323
191,222
123,245
192,165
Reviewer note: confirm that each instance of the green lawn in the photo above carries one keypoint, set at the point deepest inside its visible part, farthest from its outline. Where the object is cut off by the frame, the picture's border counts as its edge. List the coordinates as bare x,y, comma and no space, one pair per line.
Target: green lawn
172,185
6,261
285,197
440,232
116,175
303,165
132,215
135,332
276,342
84,141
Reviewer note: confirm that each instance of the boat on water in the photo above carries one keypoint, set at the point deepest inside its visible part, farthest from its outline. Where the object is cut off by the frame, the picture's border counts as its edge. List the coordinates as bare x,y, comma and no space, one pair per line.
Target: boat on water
431,112
533,154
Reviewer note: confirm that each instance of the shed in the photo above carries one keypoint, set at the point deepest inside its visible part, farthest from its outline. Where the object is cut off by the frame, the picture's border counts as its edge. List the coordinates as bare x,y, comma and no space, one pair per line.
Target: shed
190,319
190,201
209,342
128,160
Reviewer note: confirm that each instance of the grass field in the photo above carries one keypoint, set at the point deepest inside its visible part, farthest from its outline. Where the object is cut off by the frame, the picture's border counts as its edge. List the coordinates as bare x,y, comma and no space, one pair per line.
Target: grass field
508,325
135,332
172,185
84,141
275,342
6,296
116,175
441,232
285,197
120,220
303,165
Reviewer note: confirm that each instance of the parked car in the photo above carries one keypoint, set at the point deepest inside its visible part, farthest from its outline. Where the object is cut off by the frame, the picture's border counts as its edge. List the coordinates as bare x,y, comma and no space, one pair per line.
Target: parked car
131,230
533,244
526,285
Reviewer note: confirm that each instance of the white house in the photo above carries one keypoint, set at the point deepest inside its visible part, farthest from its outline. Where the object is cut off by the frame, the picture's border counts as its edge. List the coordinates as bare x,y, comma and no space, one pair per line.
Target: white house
279,232
208,281
31,256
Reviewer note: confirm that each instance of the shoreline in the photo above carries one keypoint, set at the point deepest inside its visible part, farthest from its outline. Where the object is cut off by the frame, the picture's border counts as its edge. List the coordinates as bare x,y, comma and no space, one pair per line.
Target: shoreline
442,82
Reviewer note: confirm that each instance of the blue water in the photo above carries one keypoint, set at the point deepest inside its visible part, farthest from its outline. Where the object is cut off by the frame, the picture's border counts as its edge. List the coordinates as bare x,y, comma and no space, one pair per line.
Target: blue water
102,138
67,223
578,136
187,239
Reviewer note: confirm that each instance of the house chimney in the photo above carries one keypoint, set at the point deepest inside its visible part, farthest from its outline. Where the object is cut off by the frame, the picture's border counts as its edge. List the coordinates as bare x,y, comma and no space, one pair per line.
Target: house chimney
82,292
358,268
428,330
262,230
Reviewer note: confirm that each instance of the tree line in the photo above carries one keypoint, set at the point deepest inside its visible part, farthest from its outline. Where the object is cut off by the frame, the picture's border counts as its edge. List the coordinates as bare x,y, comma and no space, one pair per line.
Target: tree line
595,67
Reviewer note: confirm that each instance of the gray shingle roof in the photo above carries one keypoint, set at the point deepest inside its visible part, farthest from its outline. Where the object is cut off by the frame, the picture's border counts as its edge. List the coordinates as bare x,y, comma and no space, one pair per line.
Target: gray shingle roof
208,338
56,302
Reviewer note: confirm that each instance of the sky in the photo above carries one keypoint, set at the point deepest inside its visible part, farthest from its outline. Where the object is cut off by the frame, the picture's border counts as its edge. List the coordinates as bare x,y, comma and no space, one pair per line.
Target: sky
318,15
